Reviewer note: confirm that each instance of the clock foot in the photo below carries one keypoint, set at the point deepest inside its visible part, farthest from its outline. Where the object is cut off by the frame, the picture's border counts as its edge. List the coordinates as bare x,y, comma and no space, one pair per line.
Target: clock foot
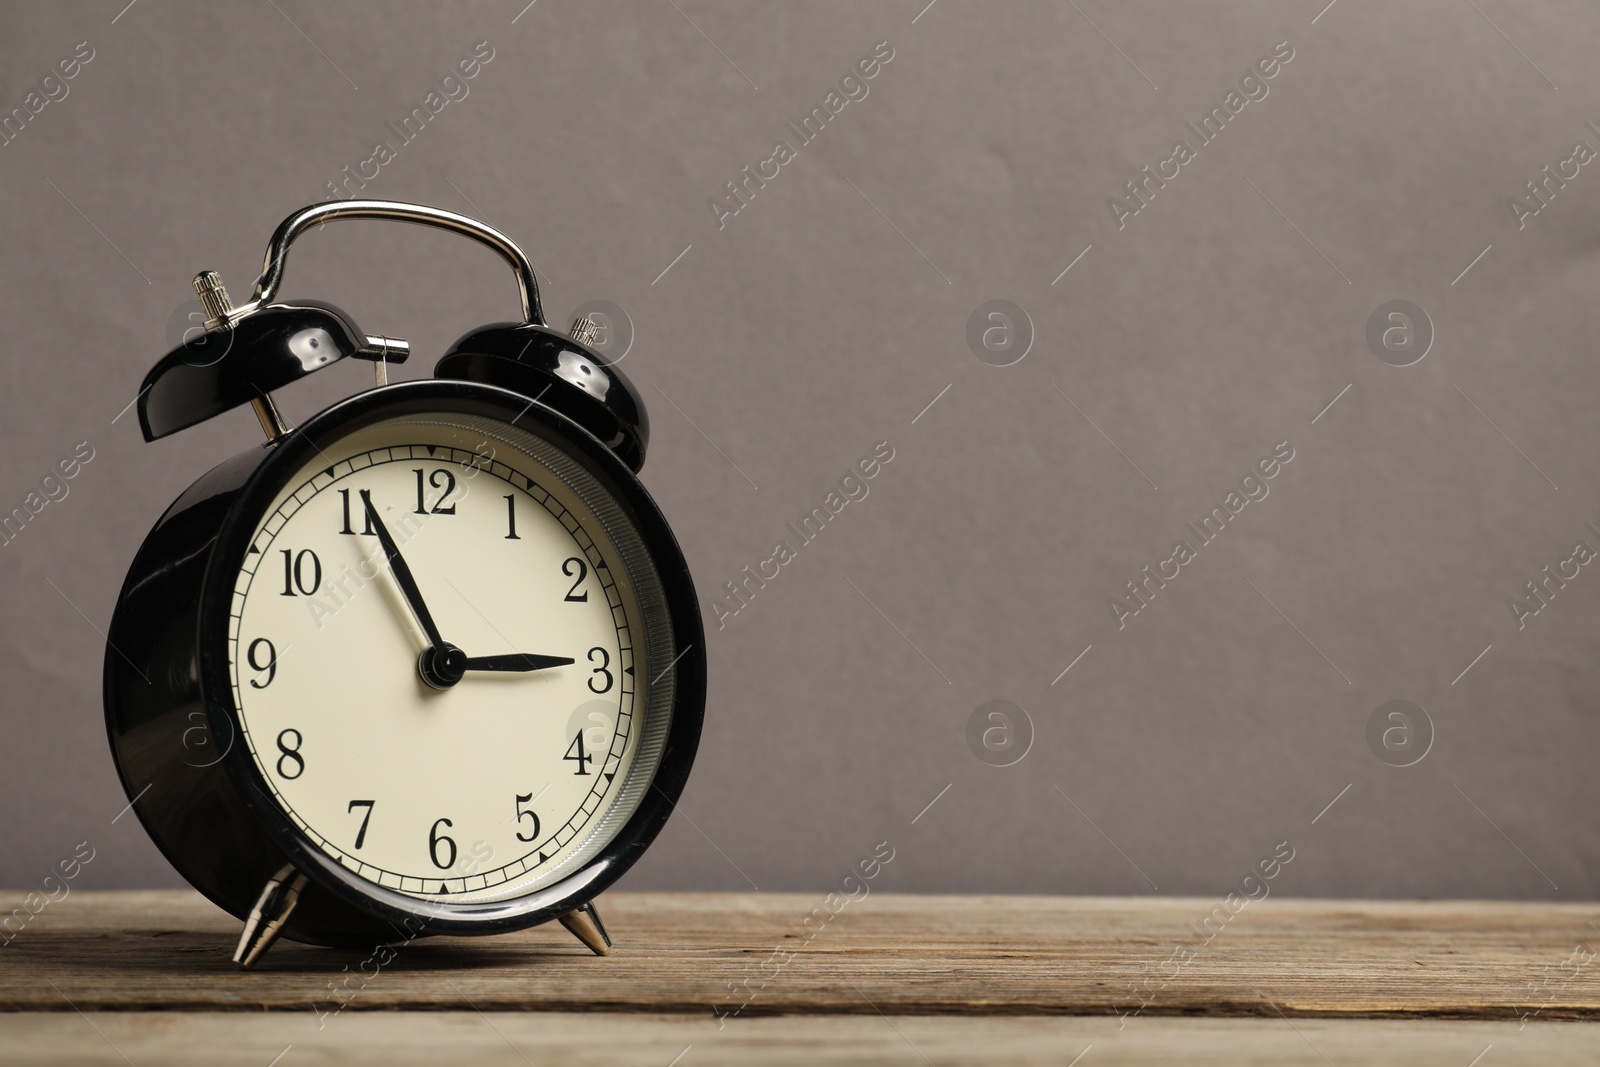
585,925
278,899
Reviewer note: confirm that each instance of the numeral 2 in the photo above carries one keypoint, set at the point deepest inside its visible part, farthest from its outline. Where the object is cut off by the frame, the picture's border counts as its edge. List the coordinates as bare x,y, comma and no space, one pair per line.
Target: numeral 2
573,596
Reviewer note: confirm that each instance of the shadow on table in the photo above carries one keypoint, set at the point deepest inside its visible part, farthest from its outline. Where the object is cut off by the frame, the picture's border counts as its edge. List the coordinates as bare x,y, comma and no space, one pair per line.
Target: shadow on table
189,952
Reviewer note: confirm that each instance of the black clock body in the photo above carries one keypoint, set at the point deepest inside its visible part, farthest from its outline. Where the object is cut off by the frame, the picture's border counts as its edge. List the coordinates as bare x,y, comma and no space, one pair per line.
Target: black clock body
173,725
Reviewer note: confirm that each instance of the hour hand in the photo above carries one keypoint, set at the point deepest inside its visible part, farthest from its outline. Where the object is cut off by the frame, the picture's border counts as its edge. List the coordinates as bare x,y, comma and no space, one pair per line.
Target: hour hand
402,573
514,661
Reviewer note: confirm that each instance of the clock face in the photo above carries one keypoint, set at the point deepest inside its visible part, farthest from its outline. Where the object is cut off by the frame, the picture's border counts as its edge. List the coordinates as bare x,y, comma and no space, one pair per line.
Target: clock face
475,783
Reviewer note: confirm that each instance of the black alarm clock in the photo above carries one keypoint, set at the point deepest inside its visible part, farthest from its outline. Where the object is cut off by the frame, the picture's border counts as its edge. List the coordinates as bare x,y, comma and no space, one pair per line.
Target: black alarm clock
430,662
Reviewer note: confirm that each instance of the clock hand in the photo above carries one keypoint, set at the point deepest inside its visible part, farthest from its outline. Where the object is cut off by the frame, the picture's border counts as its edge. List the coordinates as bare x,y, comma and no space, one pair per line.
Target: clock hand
514,661
442,664
402,573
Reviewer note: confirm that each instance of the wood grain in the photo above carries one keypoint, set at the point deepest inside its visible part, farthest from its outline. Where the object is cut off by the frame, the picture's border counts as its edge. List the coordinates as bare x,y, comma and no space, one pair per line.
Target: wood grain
885,955
520,1039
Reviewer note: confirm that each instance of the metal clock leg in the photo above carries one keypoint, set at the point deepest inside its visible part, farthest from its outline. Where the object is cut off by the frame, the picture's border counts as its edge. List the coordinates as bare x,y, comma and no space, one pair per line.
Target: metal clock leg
585,925
278,899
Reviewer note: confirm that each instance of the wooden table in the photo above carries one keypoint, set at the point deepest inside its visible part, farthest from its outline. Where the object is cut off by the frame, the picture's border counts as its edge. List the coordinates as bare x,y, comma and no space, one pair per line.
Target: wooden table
145,978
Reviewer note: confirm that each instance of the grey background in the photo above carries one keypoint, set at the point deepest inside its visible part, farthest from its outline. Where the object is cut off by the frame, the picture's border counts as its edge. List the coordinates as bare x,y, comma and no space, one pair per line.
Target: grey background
825,317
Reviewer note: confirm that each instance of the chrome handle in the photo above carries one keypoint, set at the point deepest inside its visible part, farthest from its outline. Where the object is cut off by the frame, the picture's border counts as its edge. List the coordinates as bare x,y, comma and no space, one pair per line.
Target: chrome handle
393,211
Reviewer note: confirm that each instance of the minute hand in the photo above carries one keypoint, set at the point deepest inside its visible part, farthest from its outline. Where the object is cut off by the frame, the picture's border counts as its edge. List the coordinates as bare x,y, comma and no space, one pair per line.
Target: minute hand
514,661
402,573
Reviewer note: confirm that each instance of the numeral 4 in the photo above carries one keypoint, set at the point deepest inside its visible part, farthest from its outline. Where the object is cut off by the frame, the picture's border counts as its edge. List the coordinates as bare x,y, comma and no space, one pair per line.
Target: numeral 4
576,753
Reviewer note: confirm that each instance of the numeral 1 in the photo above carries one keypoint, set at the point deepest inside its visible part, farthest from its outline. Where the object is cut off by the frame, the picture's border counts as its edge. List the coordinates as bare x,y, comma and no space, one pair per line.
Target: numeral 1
511,517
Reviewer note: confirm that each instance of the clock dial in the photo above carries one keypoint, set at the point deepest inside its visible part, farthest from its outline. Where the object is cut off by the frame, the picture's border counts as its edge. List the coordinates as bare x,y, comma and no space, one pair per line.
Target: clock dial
439,657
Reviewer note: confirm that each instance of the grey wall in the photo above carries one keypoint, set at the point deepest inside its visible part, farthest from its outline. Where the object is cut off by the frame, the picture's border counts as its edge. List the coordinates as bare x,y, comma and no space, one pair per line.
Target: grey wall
824,317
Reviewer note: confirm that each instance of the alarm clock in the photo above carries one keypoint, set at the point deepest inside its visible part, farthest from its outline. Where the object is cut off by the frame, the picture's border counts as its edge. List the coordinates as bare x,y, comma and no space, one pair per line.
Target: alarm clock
430,662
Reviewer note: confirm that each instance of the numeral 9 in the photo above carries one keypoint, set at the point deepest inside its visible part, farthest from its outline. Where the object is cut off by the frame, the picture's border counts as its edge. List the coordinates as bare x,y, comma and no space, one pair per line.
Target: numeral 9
271,666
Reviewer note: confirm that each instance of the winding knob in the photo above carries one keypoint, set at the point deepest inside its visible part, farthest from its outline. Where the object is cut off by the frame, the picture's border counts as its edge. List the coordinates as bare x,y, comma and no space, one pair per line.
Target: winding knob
213,298
584,329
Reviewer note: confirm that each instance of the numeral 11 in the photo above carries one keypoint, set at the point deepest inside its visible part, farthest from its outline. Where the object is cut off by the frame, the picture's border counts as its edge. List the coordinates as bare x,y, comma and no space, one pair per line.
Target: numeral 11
366,520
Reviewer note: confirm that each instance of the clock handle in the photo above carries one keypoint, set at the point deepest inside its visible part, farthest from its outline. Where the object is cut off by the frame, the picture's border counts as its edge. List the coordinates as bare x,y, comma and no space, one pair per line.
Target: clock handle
394,211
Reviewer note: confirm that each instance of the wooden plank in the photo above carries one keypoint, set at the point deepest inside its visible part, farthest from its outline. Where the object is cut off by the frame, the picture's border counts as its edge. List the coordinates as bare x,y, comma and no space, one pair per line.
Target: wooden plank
896,955
502,1039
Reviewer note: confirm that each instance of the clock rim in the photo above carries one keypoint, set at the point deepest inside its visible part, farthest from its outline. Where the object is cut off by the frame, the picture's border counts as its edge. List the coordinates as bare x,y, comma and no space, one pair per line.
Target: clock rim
291,454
